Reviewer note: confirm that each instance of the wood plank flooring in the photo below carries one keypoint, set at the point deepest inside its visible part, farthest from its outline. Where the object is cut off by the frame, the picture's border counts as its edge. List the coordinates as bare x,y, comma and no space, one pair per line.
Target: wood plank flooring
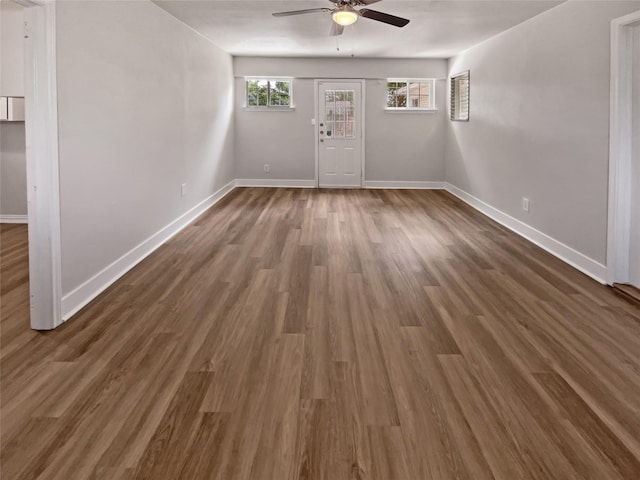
305,334
628,292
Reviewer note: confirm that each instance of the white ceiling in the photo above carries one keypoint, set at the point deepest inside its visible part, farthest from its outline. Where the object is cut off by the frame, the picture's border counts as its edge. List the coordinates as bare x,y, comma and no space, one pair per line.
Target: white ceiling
438,28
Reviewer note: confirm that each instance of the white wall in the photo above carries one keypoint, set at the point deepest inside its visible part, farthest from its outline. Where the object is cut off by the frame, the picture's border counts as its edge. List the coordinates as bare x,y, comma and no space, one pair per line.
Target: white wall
13,162
539,123
11,49
634,270
145,104
398,146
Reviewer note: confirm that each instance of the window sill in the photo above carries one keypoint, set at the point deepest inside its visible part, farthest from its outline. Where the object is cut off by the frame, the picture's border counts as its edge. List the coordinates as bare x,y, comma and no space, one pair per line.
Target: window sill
269,109
411,110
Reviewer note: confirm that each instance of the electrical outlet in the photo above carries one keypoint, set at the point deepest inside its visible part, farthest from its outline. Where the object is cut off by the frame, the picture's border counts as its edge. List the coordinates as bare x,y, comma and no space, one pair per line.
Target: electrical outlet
313,121
525,204
266,168
183,189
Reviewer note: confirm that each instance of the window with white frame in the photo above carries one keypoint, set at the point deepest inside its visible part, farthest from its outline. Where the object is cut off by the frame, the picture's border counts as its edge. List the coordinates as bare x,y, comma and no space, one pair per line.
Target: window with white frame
459,97
411,94
268,93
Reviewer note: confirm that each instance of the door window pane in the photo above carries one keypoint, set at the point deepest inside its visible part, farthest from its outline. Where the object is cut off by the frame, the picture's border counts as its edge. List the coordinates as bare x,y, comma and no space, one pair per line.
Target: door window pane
350,131
340,113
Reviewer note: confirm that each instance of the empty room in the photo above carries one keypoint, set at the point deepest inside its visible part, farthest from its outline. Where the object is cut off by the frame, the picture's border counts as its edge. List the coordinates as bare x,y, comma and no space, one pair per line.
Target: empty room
320,239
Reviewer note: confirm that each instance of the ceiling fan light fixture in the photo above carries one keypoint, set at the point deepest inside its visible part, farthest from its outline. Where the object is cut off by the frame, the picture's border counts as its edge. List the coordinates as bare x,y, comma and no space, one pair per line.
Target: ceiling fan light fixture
345,16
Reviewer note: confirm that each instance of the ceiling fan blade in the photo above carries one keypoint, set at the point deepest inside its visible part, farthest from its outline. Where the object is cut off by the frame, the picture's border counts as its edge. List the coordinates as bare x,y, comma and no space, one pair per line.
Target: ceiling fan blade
368,2
300,12
336,29
383,17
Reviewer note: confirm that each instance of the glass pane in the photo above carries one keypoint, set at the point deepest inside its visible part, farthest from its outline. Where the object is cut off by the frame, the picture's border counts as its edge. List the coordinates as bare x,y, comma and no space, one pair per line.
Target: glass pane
349,104
263,87
279,93
350,113
329,115
340,105
256,93
392,88
329,106
414,94
396,94
339,130
424,89
348,97
329,129
350,130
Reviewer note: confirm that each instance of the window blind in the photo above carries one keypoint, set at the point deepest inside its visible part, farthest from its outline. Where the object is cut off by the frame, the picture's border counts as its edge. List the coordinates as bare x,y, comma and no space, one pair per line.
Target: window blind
460,97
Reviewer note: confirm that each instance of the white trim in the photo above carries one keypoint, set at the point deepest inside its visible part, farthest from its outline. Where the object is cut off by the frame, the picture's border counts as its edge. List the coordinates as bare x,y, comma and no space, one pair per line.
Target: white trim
578,260
316,130
43,190
30,3
269,109
277,183
404,185
82,295
363,126
410,110
620,149
14,219
316,110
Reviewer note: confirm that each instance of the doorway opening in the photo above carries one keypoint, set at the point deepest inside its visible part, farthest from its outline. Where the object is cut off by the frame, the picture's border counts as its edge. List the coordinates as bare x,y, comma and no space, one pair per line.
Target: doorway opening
623,242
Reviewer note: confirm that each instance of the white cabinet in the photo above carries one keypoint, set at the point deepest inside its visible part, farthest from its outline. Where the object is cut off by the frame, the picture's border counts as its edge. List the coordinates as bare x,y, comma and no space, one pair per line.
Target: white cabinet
12,109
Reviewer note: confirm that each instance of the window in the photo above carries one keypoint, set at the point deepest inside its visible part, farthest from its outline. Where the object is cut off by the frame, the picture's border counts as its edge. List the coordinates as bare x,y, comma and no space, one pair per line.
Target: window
459,85
405,94
340,114
268,93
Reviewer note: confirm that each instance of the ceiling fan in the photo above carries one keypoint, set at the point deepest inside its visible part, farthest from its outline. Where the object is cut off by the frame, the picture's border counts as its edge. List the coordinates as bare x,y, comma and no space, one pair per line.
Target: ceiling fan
345,14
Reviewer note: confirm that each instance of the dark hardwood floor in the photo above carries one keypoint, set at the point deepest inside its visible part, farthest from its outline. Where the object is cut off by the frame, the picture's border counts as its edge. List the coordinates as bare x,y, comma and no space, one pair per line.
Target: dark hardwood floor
628,292
304,334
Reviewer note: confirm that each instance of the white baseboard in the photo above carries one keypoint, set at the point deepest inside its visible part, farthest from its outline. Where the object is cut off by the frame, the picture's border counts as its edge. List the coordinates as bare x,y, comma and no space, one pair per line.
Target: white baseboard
14,219
267,182
578,260
404,185
78,298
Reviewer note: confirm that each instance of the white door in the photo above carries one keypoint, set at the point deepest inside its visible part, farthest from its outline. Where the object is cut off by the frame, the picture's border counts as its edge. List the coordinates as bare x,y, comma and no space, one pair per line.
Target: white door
340,126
